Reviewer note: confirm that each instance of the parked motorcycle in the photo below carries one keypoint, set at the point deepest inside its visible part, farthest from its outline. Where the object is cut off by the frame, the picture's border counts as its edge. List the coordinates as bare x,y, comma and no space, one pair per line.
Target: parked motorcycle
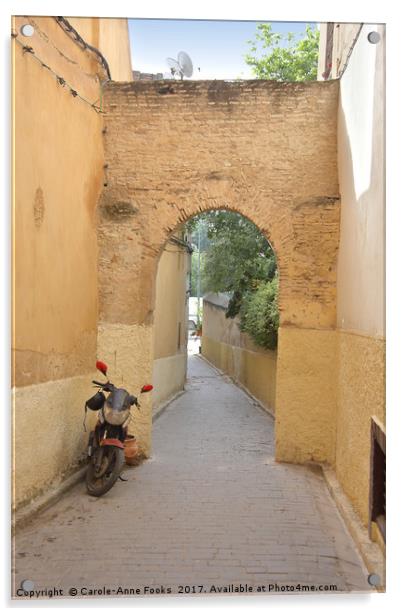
106,441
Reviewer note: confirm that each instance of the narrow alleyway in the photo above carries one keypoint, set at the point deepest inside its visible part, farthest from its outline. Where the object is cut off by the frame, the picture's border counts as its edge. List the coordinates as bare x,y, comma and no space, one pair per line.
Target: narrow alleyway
211,507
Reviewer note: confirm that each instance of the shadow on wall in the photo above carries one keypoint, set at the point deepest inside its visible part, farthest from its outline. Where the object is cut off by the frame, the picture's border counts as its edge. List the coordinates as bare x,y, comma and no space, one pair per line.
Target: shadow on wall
360,293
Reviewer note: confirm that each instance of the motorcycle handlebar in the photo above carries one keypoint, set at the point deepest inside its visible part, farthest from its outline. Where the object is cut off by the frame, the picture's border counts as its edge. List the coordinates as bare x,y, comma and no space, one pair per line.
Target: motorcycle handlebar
105,386
109,387
97,383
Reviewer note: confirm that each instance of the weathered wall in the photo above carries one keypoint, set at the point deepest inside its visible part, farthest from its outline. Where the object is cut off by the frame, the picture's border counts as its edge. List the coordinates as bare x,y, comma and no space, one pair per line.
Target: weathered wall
361,271
171,306
170,322
168,378
306,377
57,179
111,37
264,149
361,266
233,352
361,395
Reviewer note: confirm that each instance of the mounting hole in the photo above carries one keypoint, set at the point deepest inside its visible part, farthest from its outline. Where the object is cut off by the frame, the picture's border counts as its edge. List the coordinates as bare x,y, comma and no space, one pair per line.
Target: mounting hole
373,37
27,30
27,585
374,579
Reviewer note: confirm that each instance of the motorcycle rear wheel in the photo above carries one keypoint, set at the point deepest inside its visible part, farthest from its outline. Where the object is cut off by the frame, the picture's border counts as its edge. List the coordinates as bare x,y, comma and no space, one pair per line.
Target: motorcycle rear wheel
98,485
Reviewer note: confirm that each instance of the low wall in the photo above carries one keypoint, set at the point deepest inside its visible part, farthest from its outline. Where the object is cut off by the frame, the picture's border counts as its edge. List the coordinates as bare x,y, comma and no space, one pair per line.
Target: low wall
256,371
225,346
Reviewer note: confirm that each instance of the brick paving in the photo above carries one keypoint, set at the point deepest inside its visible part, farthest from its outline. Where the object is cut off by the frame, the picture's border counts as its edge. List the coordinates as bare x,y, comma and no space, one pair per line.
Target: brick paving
210,508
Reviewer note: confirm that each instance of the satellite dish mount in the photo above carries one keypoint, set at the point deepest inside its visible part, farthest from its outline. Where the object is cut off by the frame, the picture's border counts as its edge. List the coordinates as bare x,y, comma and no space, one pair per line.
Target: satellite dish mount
183,66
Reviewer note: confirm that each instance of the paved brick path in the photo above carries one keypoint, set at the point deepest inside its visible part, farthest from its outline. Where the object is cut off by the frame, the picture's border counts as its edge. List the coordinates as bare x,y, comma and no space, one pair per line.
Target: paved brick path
210,508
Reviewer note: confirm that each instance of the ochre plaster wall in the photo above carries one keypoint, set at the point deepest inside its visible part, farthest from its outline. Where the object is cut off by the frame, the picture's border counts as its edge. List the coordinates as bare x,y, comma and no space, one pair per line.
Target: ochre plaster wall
306,390
361,266
127,350
361,395
49,440
171,306
170,322
110,36
168,378
361,262
255,371
266,150
234,353
57,178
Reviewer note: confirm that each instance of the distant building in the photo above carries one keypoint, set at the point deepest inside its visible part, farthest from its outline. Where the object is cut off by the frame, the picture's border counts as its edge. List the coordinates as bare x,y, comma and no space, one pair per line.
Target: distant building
138,76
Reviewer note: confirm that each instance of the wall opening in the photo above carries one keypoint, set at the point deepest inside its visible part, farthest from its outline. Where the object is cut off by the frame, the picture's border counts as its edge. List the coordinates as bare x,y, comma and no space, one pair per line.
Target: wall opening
377,479
240,146
223,301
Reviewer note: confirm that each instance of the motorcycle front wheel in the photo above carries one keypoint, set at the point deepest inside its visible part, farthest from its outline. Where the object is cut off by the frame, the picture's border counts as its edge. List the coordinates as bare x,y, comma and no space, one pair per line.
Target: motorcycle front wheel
100,482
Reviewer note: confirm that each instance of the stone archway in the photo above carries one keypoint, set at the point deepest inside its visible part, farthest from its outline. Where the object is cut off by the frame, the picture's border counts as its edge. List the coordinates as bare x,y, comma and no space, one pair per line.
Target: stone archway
264,149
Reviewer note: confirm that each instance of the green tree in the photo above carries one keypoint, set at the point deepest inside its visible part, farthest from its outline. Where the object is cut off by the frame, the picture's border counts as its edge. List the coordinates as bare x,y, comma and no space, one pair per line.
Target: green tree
238,260
195,273
259,314
239,255
283,57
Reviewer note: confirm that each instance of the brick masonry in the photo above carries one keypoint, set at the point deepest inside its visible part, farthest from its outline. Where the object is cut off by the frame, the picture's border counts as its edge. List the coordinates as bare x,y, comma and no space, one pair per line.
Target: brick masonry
264,149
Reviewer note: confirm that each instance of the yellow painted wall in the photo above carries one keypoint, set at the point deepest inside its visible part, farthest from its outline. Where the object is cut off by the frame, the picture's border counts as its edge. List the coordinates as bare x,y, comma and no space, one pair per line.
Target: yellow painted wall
306,379
361,264
361,261
233,352
58,157
127,350
168,378
170,322
49,440
361,395
110,36
171,305
57,178
255,371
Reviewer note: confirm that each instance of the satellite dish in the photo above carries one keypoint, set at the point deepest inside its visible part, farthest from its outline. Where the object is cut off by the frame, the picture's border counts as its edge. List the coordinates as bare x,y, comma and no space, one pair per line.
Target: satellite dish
185,63
182,66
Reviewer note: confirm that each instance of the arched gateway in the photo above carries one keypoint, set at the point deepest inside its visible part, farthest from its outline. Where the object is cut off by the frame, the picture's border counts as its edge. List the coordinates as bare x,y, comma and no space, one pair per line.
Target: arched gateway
267,150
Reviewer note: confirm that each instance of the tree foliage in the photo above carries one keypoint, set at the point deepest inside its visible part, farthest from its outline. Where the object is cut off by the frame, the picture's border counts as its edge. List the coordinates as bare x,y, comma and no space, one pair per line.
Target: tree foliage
195,273
238,260
239,256
283,57
259,315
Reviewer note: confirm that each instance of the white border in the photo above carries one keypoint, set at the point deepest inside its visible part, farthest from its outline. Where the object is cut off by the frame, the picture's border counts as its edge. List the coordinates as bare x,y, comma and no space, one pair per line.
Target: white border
386,11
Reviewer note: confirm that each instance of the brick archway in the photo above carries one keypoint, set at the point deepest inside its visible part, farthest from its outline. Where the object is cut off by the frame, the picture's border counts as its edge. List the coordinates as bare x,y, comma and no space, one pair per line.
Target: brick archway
264,149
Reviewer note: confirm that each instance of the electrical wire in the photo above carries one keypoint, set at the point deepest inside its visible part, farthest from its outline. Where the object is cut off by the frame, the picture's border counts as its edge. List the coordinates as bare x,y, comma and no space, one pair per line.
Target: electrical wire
60,80
177,240
68,28
173,251
350,51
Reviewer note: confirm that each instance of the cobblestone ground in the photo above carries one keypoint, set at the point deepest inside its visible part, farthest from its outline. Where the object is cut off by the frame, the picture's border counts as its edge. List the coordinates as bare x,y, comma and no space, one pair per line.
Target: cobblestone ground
210,508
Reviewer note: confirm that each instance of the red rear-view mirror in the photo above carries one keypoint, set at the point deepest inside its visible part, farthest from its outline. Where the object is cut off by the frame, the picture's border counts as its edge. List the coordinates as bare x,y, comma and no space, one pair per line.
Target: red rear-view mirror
146,388
102,367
